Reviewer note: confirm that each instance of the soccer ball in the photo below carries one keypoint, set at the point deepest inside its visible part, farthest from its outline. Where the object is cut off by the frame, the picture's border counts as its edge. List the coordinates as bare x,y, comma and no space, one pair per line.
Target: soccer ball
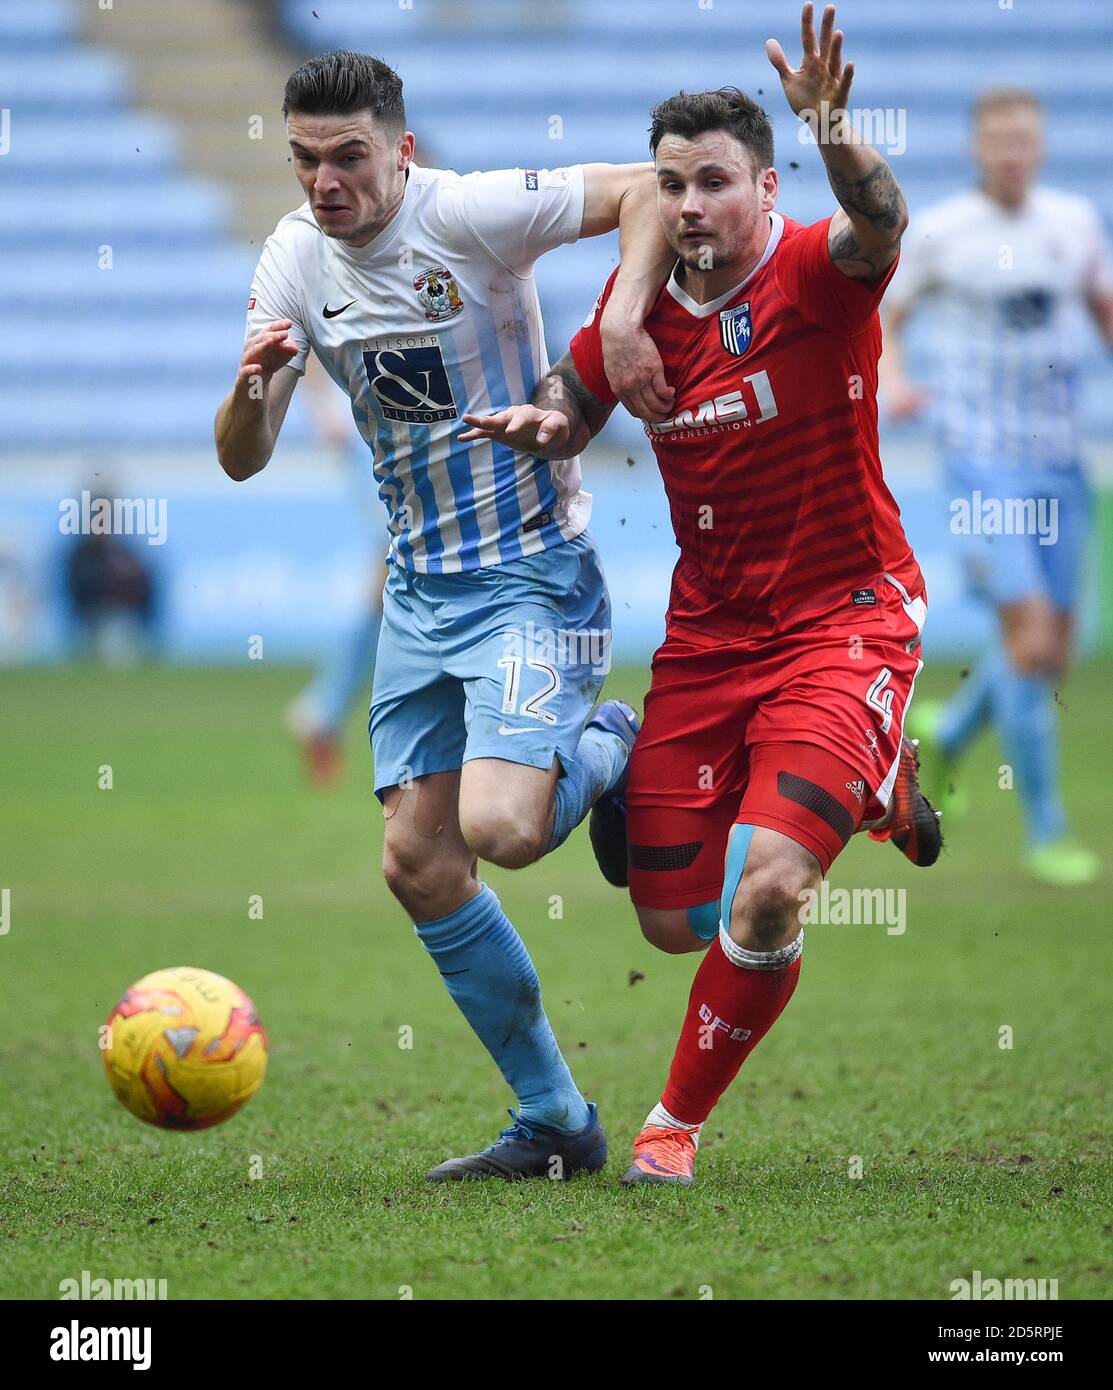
184,1048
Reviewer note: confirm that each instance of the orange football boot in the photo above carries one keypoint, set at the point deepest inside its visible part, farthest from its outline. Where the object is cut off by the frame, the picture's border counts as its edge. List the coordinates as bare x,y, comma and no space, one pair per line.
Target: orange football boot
911,822
663,1155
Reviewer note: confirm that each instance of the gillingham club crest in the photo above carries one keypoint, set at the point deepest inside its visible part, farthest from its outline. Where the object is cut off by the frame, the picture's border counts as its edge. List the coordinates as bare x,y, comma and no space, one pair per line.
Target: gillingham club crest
735,329
437,293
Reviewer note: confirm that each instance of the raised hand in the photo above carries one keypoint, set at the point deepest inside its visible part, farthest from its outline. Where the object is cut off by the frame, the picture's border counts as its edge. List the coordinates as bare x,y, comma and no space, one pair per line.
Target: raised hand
268,350
820,83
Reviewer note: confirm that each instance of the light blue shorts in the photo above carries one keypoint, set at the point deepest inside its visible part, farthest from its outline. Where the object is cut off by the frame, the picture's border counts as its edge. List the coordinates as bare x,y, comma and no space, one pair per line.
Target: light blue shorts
1020,533
503,662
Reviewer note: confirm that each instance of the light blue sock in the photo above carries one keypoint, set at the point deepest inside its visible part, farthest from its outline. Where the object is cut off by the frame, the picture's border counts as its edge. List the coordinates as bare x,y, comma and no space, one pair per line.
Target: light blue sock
1024,709
600,758
487,970
970,708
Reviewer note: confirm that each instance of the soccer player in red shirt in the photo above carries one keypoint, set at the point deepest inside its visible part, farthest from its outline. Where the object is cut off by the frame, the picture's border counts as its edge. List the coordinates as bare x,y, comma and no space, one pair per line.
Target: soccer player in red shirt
773,724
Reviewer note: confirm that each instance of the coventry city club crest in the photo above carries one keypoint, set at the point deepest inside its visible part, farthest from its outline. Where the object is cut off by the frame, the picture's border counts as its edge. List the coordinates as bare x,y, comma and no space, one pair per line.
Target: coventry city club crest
437,292
735,328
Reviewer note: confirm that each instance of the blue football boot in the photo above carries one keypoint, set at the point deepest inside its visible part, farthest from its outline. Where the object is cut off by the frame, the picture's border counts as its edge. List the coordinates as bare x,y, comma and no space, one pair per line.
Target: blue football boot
607,826
527,1150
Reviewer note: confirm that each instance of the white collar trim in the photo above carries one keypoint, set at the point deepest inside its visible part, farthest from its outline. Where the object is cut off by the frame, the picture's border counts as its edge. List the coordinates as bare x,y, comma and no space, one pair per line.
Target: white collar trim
702,311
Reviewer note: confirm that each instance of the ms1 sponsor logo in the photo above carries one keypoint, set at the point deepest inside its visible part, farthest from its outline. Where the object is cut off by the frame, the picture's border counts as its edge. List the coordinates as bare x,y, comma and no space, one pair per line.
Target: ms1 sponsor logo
728,411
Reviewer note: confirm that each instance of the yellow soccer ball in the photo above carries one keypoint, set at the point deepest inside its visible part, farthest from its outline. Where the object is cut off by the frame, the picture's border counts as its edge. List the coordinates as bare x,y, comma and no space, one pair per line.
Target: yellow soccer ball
184,1048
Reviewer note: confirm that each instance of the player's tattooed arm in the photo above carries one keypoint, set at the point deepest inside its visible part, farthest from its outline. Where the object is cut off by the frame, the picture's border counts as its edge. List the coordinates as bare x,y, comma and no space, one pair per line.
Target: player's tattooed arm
865,233
564,390
560,420
864,237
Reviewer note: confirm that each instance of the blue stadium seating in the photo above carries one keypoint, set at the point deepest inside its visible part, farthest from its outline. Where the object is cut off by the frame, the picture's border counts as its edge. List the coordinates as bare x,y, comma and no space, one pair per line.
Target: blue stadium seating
320,24
49,149
77,82
483,82
45,24
148,345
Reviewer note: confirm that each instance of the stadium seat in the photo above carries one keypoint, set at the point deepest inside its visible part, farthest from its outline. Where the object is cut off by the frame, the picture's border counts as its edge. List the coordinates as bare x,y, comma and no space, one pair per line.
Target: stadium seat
115,215
51,148
43,25
76,82
69,280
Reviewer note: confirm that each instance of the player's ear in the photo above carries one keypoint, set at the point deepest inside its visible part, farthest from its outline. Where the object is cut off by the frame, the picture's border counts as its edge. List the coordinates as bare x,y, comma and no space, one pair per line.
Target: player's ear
769,185
405,150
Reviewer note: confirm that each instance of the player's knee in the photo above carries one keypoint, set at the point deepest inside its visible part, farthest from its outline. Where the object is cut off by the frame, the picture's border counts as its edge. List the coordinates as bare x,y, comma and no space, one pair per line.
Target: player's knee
1035,654
669,930
765,913
1032,640
502,836
404,877
426,885
1036,660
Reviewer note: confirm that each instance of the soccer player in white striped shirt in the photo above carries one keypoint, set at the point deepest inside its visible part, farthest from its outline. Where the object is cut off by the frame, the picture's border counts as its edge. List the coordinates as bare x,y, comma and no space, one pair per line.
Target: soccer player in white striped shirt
415,289
1010,268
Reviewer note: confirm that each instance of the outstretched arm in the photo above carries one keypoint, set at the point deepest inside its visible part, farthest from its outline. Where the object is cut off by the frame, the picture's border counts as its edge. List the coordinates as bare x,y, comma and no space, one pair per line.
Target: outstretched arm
625,195
865,233
562,417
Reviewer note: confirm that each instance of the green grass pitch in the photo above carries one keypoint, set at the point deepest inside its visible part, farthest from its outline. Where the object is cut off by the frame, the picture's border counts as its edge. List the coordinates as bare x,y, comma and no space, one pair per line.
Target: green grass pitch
972,1156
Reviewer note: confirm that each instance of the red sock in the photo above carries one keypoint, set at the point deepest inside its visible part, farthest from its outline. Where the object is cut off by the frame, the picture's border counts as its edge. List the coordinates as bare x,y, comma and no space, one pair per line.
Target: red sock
730,1010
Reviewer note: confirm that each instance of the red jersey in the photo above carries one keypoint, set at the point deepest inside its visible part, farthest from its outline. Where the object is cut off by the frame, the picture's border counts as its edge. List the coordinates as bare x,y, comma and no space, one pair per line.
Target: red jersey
771,461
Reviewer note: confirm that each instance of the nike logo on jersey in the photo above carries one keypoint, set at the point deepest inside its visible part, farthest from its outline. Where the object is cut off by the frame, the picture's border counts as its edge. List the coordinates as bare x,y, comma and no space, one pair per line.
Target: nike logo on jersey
332,313
504,730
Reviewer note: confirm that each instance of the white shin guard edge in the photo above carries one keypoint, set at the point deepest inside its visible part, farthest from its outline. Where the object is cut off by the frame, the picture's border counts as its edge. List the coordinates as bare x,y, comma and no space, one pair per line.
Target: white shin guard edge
760,960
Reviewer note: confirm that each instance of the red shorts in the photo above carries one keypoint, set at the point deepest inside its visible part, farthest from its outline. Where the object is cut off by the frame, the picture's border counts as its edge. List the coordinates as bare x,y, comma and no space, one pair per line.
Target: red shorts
800,734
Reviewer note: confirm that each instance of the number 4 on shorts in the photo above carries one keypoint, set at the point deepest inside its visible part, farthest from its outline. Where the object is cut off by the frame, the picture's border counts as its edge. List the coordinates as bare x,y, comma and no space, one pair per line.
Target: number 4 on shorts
880,699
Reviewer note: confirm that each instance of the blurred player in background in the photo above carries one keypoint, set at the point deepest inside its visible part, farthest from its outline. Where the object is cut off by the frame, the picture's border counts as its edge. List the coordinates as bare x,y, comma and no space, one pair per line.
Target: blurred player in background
773,722
111,591
1009,265
316,717
415,289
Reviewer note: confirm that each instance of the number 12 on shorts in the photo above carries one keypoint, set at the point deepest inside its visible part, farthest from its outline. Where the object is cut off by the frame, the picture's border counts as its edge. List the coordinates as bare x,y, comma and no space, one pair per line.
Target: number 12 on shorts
880,699
532,707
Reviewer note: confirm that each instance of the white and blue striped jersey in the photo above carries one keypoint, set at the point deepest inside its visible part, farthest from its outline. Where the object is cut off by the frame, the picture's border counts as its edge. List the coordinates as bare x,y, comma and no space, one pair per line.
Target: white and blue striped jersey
438,315
1009,291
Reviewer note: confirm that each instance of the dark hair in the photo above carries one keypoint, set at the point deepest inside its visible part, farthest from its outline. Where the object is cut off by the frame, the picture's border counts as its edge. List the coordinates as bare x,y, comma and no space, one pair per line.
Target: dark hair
691,114
336,84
